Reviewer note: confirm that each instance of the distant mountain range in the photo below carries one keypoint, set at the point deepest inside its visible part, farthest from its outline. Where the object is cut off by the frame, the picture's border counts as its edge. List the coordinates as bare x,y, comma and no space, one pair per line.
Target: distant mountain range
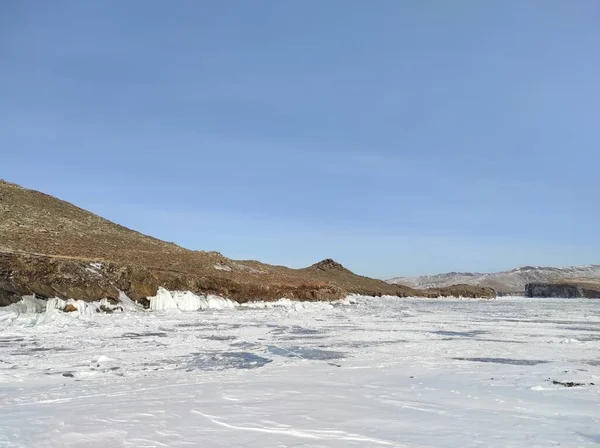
511,282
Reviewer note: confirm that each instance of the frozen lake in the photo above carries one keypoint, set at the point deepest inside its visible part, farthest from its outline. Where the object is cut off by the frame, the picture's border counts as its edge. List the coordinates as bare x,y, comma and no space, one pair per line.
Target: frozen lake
380,372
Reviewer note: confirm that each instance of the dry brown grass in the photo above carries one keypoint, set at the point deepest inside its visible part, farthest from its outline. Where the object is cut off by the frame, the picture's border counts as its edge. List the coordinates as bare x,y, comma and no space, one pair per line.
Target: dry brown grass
36,223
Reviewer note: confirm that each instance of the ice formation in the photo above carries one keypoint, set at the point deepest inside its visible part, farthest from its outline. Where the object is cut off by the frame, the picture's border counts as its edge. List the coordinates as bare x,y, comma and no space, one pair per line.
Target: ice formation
81,307
297,305
188,301
165,300
127,304
28,304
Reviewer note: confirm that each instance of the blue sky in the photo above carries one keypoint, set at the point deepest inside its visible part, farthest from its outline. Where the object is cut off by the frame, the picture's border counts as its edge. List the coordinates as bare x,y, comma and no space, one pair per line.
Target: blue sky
398,137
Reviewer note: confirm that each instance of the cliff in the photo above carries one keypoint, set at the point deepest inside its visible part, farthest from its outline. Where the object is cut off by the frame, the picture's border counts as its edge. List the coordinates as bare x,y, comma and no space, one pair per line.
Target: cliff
565,289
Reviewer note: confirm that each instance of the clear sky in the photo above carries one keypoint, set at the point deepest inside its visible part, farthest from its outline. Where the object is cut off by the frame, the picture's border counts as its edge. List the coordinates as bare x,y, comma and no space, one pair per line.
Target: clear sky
398,137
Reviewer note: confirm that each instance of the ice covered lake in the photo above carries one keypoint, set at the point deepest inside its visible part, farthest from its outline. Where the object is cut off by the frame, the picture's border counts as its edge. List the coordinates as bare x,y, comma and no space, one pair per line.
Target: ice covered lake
380,372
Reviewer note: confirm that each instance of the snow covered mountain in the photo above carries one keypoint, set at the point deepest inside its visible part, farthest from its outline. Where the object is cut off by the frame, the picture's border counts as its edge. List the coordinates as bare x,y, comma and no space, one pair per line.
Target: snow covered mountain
508,282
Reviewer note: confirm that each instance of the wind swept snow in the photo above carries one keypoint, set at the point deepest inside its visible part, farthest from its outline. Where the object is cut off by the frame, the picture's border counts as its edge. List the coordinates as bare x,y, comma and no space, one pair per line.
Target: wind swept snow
363,372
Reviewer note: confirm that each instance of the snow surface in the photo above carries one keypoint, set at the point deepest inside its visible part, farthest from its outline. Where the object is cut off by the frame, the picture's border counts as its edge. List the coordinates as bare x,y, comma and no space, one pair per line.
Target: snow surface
358,373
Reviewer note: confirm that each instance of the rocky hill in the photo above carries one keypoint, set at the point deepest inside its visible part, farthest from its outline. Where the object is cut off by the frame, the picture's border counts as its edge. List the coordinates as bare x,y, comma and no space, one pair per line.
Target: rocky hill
566,288
53,248
511,282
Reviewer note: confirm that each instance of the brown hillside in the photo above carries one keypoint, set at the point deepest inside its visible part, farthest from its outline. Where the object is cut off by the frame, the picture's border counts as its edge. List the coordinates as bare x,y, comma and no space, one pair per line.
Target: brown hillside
47,246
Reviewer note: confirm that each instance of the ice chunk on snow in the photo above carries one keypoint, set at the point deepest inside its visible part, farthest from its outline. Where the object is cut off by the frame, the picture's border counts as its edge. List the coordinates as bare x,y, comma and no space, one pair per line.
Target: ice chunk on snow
212,302
29,304
55,304
163,300
127,303
188,301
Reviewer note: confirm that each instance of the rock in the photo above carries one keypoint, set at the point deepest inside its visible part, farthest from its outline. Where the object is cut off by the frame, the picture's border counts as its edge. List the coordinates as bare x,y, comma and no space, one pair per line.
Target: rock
328,264
69,308
564,289
468,291
568,383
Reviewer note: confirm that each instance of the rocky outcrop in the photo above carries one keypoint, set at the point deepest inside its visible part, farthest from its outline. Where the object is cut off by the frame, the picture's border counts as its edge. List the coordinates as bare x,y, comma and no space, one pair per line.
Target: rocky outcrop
65,278
46,277
329,265
566,290
461,291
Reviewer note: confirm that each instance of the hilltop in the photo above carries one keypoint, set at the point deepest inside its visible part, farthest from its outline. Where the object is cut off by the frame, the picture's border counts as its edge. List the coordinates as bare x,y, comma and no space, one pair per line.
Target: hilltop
53,248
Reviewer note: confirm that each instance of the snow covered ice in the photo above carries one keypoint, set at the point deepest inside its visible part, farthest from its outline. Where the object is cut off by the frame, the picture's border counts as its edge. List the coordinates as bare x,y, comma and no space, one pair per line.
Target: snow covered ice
362,372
